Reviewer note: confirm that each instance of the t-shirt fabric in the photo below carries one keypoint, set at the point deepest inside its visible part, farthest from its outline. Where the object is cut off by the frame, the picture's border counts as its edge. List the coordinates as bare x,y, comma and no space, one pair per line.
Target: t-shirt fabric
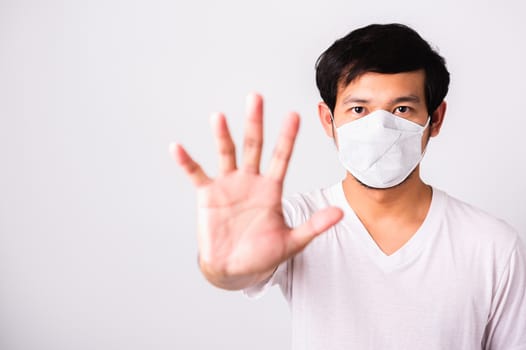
458,283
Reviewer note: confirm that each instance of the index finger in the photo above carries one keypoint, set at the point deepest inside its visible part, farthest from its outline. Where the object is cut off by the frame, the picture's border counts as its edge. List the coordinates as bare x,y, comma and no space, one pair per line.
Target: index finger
284,146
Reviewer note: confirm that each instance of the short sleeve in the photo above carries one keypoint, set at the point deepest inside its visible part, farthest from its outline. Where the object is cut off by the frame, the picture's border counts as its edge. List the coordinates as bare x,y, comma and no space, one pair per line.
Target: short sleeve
278,277
506,329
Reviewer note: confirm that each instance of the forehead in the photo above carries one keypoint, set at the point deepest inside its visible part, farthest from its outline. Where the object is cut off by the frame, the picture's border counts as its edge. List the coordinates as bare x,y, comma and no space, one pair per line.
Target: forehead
380,87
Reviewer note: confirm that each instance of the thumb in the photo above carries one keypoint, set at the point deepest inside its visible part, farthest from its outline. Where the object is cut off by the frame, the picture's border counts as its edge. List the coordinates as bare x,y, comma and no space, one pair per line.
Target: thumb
318,223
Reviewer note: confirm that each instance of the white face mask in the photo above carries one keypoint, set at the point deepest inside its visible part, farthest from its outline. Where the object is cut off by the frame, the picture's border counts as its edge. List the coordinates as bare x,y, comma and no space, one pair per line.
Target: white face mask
381,149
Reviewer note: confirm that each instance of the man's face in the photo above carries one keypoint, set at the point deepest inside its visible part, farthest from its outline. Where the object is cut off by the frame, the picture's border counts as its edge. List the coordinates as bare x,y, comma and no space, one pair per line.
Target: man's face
401,94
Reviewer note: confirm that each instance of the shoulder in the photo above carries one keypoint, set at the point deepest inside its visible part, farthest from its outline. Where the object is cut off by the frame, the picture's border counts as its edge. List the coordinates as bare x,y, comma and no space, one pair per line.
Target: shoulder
299,207
485,233
482,223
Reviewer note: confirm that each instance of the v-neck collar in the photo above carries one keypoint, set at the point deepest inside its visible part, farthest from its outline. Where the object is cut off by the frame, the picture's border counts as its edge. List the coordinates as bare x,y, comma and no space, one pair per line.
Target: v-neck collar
411,249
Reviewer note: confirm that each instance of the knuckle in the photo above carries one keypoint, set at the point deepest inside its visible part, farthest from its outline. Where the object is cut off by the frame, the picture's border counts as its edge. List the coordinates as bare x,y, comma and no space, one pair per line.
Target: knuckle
192,168
227,149
252,143
281,154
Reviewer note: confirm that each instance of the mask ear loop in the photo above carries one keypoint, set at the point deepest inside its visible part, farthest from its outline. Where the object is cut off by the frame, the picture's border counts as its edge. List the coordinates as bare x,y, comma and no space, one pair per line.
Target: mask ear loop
428,123
332,124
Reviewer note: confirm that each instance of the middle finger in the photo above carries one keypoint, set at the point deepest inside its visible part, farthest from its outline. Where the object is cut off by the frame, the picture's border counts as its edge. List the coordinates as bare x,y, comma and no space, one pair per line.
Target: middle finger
253,142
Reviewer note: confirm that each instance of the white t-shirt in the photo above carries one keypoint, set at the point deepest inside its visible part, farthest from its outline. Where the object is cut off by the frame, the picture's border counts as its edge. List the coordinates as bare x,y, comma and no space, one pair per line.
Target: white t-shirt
458,283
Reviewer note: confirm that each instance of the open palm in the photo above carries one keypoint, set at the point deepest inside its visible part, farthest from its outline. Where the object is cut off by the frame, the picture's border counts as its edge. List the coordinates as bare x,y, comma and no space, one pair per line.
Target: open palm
242,233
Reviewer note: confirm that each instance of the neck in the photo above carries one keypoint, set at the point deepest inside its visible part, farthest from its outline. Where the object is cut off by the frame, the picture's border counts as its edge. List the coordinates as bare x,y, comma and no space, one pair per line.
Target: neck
408,201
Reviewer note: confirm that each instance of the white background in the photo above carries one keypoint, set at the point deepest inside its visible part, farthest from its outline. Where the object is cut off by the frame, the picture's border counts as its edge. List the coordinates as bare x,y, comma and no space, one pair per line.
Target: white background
97,224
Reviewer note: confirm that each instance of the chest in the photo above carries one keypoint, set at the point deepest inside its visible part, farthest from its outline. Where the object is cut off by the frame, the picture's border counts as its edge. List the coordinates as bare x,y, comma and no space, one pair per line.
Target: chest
390,236
429,300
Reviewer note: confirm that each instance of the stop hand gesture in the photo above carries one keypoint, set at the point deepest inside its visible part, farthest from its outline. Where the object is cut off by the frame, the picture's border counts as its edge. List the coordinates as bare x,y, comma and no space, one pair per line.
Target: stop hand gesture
242,234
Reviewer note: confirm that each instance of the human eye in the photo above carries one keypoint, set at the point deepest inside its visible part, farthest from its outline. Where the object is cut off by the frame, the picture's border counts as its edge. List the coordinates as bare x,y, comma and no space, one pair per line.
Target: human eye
357,109
402,110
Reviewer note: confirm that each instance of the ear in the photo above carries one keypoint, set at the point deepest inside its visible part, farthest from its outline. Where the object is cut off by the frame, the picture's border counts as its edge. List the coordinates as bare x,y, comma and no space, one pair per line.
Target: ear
437,119
324,113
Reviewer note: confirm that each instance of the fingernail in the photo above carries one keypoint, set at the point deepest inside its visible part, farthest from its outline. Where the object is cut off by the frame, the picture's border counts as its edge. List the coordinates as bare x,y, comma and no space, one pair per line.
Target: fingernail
172,147
251,97
214,117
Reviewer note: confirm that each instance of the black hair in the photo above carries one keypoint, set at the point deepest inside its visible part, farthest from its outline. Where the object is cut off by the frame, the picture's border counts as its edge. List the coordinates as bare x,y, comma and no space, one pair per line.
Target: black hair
381,48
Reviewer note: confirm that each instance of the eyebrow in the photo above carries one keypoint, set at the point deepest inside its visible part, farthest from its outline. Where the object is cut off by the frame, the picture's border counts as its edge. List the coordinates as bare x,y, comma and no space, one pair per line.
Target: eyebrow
408,98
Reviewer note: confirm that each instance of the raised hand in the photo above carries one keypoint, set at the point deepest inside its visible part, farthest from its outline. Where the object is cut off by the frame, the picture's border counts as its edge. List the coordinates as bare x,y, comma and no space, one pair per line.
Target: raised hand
242,234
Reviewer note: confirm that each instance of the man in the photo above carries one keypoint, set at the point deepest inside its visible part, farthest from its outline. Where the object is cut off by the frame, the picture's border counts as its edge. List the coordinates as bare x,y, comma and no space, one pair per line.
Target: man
400,264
